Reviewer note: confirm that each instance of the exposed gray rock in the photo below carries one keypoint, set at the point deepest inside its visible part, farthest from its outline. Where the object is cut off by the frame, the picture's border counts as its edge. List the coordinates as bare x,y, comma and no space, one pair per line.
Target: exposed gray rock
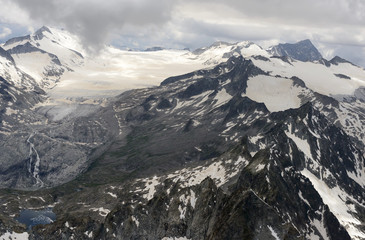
302,51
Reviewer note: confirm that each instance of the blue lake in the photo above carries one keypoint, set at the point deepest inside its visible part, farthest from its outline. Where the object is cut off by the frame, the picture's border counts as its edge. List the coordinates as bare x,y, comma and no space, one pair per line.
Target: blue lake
35,217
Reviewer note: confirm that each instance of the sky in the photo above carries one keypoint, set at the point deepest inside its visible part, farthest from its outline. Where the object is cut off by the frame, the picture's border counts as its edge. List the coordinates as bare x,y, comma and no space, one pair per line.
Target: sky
336,27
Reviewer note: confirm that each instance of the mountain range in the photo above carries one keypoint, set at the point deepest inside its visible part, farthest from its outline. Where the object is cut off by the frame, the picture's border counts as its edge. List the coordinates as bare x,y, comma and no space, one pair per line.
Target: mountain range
230,141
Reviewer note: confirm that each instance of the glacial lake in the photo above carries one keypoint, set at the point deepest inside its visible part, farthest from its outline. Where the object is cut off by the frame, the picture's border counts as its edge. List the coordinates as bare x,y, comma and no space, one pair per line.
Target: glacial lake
35,217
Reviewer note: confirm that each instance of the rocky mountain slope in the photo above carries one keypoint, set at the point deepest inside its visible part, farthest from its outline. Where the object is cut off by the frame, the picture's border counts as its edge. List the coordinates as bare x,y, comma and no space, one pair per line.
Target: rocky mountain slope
255,146
302,51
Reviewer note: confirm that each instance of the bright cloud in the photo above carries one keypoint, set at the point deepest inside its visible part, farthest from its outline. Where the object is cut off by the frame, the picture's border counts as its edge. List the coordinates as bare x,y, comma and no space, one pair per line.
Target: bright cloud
335,26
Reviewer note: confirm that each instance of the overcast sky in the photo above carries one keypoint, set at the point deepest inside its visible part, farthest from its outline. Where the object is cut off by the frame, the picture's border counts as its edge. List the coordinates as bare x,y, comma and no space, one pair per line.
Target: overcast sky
336,27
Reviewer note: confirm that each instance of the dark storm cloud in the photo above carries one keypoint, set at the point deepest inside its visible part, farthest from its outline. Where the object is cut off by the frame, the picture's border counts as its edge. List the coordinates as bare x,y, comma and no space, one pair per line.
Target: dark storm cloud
94,21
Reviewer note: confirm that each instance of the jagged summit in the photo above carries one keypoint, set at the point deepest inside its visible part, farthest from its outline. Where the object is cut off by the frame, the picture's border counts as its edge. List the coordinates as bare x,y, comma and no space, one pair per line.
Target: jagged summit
337,60
302,51
39,34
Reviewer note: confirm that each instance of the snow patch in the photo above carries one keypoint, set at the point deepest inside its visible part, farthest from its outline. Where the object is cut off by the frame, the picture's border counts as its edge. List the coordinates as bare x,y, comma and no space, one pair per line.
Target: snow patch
336,198
277,94
301,197
182,211
358,177
89,234
151,187
192,198
102,211
320,227
216,171
316,76
135,220
302,144
14,235
10,111
222,97
259,167
112,194
273,233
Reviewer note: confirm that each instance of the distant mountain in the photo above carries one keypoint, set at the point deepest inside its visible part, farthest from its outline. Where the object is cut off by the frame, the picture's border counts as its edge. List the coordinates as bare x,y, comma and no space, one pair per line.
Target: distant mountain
302,51
152,49
56,53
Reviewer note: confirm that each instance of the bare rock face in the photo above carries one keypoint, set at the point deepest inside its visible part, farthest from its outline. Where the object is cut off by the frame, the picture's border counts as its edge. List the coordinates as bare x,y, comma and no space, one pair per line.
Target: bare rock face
302,51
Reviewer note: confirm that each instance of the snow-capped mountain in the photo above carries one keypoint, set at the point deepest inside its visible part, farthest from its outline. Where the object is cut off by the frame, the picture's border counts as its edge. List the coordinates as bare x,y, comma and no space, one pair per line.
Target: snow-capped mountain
255,144
45,55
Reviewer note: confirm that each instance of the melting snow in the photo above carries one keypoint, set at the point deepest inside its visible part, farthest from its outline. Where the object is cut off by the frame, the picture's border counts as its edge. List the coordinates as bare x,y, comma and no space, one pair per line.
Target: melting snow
192,198
335,198
182,211
151,187
254,139
10,111
301,197
301,144
14,235
222,97
89,234
273,233
135,220
277,94
216,171
102,211
221,172
112,194
317,76
320,227
358,177
260,167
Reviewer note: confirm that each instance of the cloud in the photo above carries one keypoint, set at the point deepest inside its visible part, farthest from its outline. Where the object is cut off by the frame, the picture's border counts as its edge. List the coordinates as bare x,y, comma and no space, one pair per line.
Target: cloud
95,21
5,32
309,12
336,26
11,13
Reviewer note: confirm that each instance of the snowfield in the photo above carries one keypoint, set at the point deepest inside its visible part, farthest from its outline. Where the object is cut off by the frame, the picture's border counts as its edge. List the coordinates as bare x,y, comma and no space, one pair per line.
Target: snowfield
115,71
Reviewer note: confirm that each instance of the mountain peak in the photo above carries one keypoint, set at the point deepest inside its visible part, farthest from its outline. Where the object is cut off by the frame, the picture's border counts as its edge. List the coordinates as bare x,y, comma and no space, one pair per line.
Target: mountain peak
305,41
303,51
336,60
154,49
43,29
39,34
